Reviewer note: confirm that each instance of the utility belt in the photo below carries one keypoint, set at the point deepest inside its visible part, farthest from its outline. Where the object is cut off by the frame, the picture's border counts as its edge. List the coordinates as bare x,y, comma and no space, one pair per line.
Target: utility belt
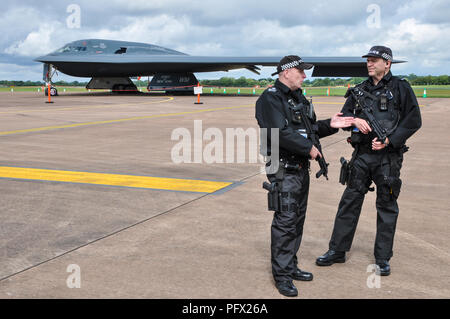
363,144
291,165
294,160
346,166
287,165
367,149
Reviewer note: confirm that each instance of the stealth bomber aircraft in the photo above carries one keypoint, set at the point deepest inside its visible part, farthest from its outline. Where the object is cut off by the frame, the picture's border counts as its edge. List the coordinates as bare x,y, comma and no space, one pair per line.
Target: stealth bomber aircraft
111,63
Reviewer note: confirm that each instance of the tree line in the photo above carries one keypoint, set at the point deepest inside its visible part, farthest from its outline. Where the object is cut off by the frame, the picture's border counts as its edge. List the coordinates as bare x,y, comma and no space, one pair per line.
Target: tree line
40,83
264,82
244,82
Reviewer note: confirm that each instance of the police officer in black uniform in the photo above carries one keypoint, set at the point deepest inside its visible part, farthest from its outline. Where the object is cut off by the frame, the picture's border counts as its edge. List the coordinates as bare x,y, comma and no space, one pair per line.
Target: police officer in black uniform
277,108
394,106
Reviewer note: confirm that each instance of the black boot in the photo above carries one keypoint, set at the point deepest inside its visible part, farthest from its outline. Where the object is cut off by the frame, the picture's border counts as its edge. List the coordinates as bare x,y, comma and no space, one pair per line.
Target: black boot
302,275
287,288
385,268
331,257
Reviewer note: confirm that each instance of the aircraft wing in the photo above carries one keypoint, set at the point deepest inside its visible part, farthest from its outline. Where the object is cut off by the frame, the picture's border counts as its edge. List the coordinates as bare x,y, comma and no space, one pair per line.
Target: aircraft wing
113,65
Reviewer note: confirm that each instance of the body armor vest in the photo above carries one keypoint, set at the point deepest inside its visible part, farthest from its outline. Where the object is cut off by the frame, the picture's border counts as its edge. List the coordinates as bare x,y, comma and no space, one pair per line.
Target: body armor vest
385,106
297,122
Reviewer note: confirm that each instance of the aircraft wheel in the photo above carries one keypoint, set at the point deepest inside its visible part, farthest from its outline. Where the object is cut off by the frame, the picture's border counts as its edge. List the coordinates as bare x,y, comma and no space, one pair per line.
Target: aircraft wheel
53,91
117,88
131,89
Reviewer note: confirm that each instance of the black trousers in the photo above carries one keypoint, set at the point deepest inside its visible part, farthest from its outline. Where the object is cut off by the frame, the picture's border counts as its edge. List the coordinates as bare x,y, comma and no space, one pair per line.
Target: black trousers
383,169
287,224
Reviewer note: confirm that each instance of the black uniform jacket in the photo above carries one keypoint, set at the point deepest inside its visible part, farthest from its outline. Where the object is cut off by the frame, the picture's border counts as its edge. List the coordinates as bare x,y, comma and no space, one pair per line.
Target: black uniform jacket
272,111
410,120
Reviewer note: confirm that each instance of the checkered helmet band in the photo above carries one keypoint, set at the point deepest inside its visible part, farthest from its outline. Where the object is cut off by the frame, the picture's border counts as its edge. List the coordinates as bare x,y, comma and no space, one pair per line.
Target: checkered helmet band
292,64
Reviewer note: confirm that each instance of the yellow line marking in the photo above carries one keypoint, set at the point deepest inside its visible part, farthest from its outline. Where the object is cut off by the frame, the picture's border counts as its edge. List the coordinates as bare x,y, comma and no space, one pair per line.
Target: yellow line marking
86,107
174,184
46,128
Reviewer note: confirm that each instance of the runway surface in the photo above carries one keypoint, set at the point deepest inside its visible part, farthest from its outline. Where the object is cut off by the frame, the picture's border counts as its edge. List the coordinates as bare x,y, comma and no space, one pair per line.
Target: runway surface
91,181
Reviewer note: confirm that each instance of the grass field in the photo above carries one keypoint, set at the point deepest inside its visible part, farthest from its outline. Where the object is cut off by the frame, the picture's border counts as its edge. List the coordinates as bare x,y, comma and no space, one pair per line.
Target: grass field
431,90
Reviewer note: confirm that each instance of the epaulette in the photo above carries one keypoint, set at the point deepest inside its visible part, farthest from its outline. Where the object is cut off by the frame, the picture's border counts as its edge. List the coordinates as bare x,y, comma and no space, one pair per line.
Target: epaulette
404,79
361,83
272,89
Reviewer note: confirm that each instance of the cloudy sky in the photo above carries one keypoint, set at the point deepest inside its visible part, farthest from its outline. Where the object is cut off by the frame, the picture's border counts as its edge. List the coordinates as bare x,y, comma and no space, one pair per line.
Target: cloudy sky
417,31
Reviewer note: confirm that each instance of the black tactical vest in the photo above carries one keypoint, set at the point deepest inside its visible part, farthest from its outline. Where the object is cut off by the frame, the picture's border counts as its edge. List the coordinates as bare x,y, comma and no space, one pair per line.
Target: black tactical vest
295,116
386,107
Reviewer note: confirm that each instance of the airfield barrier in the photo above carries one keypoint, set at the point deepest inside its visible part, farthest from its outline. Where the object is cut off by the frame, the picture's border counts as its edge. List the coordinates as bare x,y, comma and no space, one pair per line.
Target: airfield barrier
420,91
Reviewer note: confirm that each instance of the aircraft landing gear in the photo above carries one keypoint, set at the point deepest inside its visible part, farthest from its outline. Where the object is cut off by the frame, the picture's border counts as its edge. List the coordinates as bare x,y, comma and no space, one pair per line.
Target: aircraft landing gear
115,84
123,88
173,83
49,71
53,91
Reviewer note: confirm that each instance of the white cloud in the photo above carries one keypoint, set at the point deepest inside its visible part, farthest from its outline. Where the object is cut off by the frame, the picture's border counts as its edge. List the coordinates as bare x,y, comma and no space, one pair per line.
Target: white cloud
249,28
16,22
36,42
421,43
19,72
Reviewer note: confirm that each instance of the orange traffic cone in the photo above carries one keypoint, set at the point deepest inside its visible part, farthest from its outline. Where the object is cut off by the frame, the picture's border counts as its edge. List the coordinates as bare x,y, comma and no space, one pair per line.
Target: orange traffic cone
49,93
198,95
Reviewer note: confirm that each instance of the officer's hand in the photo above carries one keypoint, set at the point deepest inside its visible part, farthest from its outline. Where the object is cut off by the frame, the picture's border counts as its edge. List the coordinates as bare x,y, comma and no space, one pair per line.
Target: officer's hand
314,152
362,125
338,121
378,145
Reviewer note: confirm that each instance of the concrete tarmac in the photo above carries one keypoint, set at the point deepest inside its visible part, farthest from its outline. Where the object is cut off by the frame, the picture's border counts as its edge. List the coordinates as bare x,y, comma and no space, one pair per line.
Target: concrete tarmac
119,240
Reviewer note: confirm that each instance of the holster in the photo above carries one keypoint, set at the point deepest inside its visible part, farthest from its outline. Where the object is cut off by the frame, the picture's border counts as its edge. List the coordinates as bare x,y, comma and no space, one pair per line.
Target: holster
273,196
345,171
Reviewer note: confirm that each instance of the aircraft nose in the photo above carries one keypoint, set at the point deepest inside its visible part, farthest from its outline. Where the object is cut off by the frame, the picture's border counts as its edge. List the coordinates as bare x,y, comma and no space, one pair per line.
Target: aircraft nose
42,58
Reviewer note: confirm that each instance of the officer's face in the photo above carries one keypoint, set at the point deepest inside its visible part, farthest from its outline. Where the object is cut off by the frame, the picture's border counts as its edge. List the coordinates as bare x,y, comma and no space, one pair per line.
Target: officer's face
295,78
377,67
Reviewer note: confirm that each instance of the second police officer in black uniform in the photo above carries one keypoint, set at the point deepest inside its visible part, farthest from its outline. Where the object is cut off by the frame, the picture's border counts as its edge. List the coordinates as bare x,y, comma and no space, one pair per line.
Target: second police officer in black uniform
394,106
279,108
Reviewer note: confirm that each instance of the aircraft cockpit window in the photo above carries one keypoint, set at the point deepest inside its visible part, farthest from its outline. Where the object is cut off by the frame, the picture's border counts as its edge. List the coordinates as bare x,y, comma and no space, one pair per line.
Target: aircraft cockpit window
70,48
161,50
121,50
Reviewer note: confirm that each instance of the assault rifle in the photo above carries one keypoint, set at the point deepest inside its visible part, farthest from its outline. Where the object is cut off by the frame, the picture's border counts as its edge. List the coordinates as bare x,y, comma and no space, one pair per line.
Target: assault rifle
315,140
361,97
